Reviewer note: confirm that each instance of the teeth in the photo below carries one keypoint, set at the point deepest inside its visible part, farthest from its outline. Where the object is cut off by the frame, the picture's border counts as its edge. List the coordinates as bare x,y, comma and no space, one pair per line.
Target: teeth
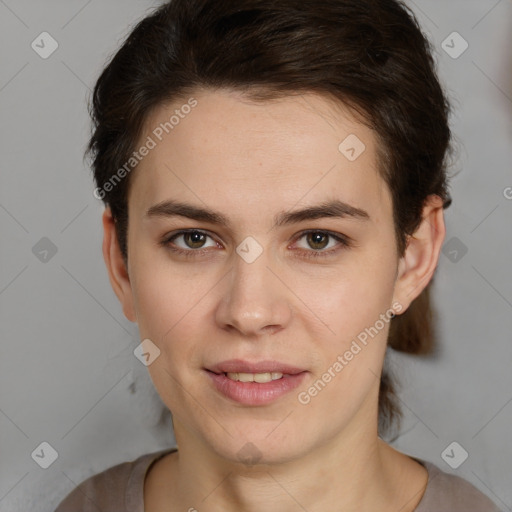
255,377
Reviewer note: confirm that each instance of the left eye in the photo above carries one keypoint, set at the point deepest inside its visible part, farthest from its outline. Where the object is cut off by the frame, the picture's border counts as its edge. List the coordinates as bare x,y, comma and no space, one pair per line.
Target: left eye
319,240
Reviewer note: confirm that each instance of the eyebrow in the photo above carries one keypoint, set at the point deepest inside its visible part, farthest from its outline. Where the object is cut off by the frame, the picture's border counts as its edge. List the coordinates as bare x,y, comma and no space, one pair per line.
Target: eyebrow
334,208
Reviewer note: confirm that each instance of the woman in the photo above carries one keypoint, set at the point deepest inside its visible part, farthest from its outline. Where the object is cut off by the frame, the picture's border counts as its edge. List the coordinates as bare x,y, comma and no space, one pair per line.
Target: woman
274,176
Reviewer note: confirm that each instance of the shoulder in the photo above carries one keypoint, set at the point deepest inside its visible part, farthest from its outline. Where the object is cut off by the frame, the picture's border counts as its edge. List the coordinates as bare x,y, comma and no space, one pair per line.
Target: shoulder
119,488
447,492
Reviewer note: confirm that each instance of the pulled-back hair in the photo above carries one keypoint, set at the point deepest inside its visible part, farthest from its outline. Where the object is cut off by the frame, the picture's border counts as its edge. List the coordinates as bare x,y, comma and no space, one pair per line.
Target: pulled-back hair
369,55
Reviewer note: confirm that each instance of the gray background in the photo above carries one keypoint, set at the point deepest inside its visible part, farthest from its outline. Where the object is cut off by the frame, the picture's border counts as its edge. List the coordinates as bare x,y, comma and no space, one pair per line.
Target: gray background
68,375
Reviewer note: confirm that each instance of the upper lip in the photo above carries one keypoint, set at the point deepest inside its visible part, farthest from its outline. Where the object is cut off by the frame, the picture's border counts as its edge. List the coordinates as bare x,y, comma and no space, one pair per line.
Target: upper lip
241,366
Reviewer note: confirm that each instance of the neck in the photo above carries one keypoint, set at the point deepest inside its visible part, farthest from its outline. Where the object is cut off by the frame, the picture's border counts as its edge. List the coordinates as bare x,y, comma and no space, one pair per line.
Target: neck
325,480
353,471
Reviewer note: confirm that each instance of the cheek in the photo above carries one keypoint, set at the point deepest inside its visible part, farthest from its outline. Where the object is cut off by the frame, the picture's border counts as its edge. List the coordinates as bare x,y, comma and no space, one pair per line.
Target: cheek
355,309
167,311
351,359
157,306
168,317
165,294
170,303
344,301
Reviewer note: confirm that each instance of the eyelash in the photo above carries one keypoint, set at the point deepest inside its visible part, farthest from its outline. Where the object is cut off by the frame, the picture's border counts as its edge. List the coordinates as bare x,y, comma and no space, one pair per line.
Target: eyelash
344,241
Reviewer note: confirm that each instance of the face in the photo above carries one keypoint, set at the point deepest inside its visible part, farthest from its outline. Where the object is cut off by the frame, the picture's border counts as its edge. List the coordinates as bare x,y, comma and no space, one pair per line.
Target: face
265,292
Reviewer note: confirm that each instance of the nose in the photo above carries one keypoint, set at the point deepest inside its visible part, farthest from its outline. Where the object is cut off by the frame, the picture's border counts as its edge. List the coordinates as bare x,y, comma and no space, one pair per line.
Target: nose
255,299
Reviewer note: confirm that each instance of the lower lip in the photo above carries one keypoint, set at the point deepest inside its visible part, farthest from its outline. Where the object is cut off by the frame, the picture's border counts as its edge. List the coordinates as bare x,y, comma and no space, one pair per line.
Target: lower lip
254,393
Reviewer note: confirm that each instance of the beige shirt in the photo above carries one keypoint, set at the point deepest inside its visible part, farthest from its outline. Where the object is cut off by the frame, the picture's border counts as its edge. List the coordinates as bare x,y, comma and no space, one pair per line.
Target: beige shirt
120,489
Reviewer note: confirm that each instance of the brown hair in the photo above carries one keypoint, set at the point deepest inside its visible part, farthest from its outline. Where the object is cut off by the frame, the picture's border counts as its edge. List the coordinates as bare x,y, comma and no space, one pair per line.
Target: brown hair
370,55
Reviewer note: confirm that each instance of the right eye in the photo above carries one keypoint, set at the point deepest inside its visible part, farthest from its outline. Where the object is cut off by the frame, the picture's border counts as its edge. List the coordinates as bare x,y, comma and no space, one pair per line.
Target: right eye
193,240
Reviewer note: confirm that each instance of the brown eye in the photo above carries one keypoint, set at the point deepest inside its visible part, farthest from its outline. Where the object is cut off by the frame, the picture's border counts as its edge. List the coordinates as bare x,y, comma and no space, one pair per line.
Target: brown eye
317,240
194,239
191,242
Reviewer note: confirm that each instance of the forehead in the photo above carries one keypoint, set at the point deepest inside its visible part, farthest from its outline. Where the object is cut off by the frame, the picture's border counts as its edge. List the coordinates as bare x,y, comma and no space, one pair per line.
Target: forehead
232,152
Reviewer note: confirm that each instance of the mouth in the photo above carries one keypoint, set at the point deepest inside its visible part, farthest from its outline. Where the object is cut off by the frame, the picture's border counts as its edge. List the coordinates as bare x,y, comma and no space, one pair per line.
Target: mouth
254,383
262,367
261,378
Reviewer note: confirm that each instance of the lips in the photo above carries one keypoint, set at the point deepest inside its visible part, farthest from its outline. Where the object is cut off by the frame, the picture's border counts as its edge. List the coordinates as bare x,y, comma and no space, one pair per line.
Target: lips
249,384
241,366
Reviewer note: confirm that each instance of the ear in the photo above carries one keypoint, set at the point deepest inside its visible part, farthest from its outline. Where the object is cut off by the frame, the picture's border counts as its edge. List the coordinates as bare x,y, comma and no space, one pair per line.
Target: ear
117,271
417,266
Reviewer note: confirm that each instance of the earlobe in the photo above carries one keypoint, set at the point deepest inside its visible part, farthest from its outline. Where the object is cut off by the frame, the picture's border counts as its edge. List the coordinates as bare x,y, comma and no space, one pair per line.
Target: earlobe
116,267
417,266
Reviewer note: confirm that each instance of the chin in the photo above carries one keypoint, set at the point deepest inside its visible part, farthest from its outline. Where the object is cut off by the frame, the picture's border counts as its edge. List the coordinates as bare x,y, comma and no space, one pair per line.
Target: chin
253,447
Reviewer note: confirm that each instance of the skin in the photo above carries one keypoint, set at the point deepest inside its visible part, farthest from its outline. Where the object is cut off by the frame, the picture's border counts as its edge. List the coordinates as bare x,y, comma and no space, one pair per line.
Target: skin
251,161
